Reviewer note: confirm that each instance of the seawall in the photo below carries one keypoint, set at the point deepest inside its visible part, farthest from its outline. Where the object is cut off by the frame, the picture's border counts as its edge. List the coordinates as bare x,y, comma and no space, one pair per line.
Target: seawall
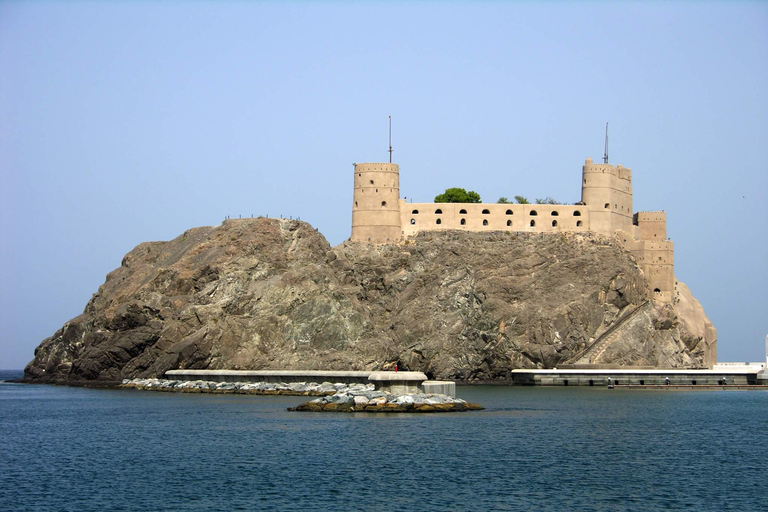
635,377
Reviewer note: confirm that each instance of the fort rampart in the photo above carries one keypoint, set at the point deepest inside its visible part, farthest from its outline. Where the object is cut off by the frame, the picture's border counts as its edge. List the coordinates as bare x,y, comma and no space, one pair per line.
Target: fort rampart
380,216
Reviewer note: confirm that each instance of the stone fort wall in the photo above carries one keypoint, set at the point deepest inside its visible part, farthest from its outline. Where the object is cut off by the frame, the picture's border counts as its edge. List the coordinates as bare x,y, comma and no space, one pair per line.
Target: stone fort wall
537,218
380,216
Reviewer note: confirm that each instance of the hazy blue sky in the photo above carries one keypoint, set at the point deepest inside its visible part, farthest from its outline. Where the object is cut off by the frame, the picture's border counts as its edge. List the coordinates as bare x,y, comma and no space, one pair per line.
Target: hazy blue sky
127,122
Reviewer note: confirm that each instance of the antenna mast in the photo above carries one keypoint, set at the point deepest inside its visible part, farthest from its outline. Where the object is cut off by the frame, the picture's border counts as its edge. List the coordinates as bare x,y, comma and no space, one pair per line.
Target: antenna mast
605,155
390,139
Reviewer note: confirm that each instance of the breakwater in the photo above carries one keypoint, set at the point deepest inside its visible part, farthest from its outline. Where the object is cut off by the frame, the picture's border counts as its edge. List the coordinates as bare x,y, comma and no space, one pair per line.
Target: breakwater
333,397
244,388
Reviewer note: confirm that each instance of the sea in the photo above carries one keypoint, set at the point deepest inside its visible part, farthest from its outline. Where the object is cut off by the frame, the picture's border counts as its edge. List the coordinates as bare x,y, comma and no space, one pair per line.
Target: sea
532,448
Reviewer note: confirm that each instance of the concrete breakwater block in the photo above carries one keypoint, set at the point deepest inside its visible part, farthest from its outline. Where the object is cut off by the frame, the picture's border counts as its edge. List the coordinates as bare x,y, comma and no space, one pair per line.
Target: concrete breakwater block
442,387
397,382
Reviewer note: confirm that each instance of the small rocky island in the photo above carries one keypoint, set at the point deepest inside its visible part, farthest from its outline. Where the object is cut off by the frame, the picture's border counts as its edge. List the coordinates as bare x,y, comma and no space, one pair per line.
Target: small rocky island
273,294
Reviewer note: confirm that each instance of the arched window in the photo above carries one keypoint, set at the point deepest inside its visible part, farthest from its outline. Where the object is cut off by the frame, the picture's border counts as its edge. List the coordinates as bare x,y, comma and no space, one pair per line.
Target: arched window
462,212
413,221
509,212
578,223
656,290
485,222
554,223
607,205
533,212
383,204
371,182
415,212
463,221
533,223
486,212
438,221
577,213
509,223
554,213
438,212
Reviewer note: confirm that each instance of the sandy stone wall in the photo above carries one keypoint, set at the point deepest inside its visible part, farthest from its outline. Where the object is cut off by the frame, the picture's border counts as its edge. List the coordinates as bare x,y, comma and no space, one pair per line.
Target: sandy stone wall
375,209
380,216
607,191
534,218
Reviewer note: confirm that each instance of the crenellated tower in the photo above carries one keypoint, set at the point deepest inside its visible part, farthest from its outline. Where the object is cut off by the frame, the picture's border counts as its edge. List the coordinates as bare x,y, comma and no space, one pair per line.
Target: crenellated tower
606,190
375,208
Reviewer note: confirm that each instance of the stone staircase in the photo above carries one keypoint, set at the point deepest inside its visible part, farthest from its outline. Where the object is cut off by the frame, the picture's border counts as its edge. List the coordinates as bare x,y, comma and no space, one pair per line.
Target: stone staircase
592,353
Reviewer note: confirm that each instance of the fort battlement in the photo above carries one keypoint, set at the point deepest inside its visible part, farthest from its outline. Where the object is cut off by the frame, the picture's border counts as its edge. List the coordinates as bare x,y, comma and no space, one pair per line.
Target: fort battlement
379,215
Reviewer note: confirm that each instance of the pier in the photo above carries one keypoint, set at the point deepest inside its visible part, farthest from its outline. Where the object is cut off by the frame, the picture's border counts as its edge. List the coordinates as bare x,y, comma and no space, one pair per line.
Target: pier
642,378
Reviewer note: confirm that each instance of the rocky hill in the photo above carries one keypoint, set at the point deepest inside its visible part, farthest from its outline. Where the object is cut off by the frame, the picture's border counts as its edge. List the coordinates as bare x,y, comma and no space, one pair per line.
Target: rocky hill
273,294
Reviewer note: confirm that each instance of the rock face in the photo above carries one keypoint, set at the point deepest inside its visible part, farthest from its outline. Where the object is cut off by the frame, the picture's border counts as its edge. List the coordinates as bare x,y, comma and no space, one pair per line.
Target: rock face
273,294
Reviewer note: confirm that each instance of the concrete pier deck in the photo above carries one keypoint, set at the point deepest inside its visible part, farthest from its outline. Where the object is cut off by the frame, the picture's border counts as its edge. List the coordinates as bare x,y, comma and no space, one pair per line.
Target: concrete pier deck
637,377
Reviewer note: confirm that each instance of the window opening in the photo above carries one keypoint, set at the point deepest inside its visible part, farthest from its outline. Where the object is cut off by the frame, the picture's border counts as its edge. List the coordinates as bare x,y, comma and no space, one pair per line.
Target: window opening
438,211
509,223
509,212
533,223
463,221
485,222
533,212
486,212
438,221
554,223
462,212
415,212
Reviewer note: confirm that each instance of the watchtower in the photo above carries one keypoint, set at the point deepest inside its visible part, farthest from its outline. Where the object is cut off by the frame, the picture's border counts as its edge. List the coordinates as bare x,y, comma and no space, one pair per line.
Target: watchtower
376,209
607,192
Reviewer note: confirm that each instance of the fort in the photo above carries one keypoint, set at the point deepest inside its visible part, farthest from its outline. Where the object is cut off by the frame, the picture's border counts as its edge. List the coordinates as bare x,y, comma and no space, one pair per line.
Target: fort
380,216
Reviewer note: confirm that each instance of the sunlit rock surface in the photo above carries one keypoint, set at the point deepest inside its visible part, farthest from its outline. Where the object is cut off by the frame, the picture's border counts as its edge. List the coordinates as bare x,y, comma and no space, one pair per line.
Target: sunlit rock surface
272,294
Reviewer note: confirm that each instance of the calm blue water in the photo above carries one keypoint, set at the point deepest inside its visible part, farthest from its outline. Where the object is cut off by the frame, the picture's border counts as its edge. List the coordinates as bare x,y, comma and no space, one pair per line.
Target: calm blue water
532,449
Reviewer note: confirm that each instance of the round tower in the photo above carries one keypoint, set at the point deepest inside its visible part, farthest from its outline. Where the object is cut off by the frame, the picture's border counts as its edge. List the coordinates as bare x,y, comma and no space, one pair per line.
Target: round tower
375,207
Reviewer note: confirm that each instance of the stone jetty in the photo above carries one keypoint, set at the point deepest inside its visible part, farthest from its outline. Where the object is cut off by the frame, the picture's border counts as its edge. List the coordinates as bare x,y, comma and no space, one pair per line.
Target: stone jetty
332,397
243,388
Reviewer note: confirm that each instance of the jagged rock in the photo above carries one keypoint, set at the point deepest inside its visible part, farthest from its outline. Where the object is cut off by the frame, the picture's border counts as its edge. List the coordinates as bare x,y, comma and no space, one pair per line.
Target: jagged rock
273,294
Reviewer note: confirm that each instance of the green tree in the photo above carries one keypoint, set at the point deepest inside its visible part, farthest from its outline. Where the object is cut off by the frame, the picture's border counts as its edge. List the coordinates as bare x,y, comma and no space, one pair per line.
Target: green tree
503,200
457,195
546,200
522,200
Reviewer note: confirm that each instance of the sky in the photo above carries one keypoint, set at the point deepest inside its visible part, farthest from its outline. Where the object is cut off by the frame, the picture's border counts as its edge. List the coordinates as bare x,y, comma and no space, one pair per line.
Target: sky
125,122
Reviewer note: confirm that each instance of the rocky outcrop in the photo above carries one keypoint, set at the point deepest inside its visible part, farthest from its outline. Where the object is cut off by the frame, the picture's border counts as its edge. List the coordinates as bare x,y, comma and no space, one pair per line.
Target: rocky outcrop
378,401
272,294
